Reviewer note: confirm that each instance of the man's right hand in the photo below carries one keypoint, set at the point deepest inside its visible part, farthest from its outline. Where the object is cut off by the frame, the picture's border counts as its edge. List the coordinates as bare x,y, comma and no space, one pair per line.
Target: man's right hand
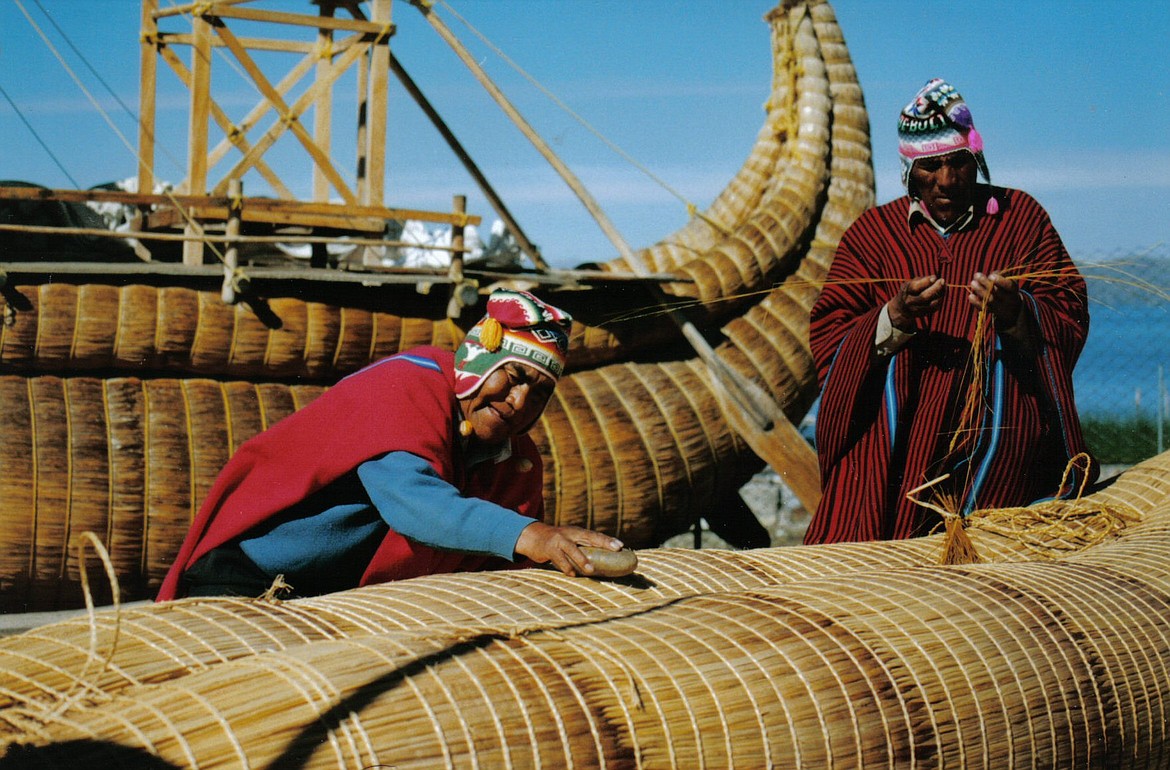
918,298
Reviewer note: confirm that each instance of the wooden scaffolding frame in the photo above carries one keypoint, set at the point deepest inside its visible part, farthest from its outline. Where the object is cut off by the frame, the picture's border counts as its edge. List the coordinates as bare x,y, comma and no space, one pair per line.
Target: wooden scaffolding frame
328,46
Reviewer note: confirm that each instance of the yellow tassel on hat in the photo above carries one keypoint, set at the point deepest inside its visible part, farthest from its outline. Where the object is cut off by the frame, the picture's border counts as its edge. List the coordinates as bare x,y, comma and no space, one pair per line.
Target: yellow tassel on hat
491,335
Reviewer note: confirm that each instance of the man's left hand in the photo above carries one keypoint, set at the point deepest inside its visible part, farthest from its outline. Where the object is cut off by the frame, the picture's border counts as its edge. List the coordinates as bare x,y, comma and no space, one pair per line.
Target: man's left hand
1000,295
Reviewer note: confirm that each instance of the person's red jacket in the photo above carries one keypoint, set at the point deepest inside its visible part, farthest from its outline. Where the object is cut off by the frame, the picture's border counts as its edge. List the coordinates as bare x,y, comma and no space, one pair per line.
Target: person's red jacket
401,403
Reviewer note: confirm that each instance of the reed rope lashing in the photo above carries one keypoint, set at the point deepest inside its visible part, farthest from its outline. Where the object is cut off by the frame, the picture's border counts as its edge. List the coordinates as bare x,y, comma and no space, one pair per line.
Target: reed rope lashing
1059,525
82,686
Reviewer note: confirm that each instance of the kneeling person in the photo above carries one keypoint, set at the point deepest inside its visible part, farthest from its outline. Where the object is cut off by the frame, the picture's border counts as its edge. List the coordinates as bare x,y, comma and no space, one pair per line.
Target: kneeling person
418,464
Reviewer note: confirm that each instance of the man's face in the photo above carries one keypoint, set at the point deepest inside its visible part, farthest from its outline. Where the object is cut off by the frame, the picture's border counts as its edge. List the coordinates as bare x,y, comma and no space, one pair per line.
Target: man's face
945,184
508,402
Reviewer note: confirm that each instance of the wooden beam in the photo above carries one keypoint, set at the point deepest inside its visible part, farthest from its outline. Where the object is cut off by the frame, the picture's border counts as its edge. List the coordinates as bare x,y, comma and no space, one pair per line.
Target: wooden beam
469,164
290,116
227,11
323,112
147,96
291,208
376,127
232,133
251,43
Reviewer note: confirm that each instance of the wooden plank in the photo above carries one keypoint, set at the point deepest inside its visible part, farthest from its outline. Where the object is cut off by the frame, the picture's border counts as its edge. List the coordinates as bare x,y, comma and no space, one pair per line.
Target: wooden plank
363,132
254,115
252,43
196,182
323,112
296,19
201,202
168,218
37,272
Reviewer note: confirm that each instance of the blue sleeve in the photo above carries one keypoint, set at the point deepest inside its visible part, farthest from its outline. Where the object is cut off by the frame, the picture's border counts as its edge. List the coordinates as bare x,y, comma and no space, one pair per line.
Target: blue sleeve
418,504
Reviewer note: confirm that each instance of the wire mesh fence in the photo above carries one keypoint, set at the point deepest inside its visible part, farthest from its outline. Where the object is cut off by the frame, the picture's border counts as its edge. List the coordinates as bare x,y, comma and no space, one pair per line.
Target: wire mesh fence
1123,377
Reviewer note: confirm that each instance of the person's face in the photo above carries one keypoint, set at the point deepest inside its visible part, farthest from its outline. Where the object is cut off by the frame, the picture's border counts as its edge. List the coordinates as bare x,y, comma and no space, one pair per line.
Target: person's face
508,402
945,184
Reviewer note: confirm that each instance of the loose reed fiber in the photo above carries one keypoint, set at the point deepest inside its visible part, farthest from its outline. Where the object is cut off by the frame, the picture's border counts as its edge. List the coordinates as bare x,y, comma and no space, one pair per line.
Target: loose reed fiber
158,643
1059,663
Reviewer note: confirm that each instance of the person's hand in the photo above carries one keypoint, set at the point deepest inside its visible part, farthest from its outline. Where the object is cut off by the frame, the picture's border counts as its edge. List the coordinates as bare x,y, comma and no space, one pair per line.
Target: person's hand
1001,295
918,298
544,543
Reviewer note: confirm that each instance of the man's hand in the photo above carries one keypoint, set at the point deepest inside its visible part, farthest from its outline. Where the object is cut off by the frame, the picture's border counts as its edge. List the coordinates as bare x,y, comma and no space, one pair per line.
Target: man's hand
918,298
544,543
1001,295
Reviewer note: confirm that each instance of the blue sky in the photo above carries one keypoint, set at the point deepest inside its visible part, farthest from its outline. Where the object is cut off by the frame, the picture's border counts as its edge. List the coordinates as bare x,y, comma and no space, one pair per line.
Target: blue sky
1072,98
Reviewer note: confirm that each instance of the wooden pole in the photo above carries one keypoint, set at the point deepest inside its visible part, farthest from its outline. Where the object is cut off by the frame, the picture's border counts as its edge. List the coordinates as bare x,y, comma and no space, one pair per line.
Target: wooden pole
147,95
537,141
323,111
455,272
231,255
376,127
197,130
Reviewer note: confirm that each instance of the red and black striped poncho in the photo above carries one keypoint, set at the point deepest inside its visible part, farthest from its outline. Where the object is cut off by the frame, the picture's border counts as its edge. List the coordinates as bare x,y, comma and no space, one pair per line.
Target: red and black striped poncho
885,425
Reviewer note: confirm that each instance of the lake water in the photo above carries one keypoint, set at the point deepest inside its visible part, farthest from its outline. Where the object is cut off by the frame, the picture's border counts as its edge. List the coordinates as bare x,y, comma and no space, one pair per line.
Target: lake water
1117,375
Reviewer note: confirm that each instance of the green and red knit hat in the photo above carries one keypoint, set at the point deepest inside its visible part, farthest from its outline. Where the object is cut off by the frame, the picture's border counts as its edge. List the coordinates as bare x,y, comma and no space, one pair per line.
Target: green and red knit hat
517,327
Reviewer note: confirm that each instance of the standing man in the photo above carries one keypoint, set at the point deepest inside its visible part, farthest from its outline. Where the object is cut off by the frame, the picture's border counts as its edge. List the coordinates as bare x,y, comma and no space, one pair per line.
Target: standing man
945,339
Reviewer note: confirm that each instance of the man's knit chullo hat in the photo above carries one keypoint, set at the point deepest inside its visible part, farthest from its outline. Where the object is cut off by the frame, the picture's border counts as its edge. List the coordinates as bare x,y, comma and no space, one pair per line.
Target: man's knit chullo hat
517,327
938,122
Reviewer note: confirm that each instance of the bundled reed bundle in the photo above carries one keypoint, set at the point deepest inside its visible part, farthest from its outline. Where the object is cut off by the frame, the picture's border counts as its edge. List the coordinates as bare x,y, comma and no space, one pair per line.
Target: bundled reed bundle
851,656
125,458
751,236
142,329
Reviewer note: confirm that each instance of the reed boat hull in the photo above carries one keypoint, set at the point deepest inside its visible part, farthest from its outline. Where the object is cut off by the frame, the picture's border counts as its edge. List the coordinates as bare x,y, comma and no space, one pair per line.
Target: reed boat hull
121,400
1053,651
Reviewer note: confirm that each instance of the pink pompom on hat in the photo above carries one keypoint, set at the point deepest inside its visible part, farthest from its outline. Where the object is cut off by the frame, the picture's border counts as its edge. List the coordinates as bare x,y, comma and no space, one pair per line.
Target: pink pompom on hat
937,122
517,327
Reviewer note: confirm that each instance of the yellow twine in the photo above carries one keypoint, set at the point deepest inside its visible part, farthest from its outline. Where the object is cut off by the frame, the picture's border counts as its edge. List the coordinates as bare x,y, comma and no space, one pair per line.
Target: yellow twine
278,587
1057,527
83,679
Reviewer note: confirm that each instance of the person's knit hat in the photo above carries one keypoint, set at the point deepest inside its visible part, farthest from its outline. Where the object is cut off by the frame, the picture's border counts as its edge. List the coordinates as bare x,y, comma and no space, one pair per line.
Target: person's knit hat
937,122
517,327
